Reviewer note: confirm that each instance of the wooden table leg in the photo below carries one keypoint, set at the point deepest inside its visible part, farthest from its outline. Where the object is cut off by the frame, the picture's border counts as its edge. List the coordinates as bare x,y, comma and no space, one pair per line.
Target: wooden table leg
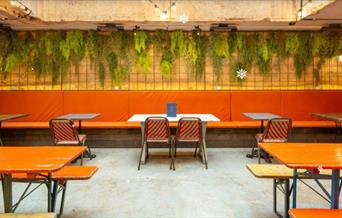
7,192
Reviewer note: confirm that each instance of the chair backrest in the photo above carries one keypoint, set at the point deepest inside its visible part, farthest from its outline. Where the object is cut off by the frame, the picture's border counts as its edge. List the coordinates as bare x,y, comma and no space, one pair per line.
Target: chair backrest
277,130
63,131
189,129
157,129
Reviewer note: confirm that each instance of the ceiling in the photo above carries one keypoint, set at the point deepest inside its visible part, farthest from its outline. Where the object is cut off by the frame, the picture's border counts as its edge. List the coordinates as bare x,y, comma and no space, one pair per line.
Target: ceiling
243,15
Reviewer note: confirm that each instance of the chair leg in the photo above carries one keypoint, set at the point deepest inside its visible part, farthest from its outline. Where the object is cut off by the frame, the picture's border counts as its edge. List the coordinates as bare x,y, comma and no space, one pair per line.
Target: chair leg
170,147
141,153
147,154
196,149
259,155
253,152
172,164
175,154
205,155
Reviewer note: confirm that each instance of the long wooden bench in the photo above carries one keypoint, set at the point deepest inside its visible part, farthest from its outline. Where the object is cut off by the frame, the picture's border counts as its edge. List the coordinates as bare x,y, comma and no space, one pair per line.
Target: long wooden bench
59,178
281,176
134,125
315,213
28,215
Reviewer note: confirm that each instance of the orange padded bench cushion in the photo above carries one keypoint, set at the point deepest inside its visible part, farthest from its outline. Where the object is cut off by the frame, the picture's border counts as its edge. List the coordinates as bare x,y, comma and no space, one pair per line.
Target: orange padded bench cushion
66,173
134,125
315,213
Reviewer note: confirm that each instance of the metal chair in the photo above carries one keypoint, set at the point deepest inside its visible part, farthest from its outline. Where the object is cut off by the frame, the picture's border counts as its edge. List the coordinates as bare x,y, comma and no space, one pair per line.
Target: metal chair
277,130
189,129
64,132
156,131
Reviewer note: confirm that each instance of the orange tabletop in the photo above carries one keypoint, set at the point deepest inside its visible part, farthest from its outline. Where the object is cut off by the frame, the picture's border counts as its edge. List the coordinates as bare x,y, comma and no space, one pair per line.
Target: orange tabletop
37,159
315,213
306,155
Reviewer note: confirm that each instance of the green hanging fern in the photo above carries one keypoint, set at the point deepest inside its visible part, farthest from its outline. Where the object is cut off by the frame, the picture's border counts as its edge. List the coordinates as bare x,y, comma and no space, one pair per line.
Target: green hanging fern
178,43
101,73
219,51
143,60
166,63
112,61
265,52
235,41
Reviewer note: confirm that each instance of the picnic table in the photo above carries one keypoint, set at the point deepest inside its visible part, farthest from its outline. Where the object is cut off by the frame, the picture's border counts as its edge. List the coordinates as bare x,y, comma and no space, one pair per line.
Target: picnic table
320,156
6,117
205,118
33,161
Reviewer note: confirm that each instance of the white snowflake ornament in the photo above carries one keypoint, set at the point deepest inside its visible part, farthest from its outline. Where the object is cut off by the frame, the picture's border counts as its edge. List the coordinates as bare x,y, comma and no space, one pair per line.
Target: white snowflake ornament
241,74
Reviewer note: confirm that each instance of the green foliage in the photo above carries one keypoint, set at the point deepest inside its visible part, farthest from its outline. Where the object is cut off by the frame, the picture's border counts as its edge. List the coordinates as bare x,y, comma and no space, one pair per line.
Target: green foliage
265,51
235,41
101,73
291,44
91,49
196,52
249,50
303,56
178,43
143,60
219,51
166,63
161,39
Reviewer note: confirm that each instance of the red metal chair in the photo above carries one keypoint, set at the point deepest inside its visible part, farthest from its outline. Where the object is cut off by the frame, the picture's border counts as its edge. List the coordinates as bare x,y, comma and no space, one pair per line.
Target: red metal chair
189,129
156,131
277,130
64,132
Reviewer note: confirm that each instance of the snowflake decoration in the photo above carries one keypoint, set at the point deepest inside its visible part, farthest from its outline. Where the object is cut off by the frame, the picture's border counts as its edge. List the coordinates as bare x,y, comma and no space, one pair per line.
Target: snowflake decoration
183,18
241,74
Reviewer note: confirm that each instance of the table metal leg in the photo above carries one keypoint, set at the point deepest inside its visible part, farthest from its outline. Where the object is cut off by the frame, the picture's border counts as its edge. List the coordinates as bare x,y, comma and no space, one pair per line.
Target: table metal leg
143,156
294,189
335,190
7,192
79,126
49,187
204,144
262,126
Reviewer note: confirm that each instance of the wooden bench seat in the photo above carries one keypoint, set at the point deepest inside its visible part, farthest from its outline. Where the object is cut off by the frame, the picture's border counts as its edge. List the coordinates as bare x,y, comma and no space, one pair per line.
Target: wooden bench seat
28,215
66,173
281,175
315,213
134,125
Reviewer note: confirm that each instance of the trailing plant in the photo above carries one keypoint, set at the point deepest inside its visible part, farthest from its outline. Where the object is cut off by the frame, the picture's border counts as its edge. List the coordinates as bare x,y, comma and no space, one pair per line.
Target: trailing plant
248,51
73,47
4,50
291,44
121,43
219,50
178,43
235,41
304,54
143,60
265,51
103,53
91,49
101,72
166,63
112,61
197,51
161,39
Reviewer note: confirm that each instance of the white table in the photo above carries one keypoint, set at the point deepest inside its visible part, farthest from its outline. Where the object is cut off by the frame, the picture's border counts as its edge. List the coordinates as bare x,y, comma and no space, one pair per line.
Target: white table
205,118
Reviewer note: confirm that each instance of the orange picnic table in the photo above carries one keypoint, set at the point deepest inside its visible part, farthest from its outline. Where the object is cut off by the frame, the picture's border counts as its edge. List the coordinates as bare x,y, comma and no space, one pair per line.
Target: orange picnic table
33,160
311,156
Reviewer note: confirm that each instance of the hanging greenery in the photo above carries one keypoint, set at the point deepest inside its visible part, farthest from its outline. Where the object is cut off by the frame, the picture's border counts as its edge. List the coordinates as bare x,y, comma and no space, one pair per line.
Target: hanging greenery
219,50
161,39
235,41
196,52
166,63
143,60
265,51
178,43
248,51
4,50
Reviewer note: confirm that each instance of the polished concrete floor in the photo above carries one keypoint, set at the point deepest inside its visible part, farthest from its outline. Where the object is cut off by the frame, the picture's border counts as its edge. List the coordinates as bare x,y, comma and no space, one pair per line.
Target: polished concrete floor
226,189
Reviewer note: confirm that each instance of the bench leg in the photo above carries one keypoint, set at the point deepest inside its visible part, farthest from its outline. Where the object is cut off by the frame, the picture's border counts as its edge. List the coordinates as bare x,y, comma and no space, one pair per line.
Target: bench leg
49,184
275,196
287,198
54,195
63,198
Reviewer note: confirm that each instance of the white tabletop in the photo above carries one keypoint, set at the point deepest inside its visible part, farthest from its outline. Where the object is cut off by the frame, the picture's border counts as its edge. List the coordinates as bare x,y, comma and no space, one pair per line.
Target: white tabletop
261,116
203,117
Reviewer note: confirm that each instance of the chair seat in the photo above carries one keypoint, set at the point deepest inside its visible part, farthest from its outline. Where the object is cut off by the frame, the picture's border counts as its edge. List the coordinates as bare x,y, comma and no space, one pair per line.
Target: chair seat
82,138
259,137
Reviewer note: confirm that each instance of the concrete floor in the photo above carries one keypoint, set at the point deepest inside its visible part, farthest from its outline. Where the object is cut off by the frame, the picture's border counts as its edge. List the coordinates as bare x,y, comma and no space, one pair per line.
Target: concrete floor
226,189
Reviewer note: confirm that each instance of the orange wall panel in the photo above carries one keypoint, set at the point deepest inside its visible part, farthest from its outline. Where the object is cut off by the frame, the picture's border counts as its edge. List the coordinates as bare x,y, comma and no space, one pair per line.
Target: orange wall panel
298,105
214,102
41,105
113,105
254,101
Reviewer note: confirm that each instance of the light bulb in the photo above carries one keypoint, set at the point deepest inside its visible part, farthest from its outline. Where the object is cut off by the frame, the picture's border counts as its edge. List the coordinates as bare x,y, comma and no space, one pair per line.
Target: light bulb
309,3
340,58
156,8
173,7
164,15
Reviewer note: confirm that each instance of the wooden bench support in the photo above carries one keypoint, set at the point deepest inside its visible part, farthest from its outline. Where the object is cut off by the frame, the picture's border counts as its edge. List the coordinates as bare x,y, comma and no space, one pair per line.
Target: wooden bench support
281,176
58,181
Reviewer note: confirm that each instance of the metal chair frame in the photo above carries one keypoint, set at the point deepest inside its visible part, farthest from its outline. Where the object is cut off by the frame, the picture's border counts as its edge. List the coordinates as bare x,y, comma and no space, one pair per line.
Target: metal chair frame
177,138
270,131
146,140
75,141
